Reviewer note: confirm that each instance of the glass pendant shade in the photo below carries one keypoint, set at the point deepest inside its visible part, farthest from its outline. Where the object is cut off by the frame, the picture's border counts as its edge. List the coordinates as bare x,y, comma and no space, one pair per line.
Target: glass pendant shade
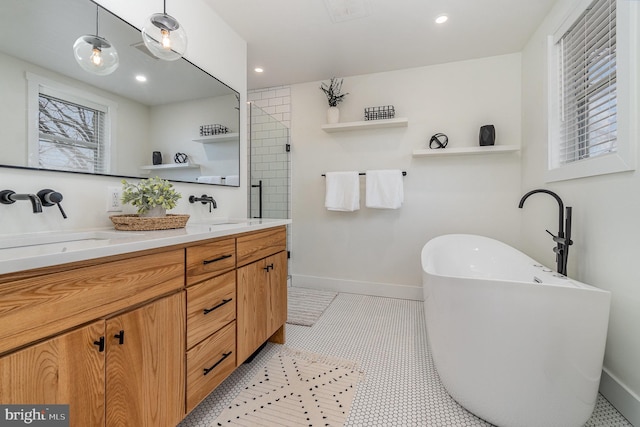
96,55
164,37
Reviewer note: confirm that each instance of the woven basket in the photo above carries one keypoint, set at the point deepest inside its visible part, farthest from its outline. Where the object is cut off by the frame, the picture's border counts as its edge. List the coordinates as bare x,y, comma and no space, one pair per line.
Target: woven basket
138,223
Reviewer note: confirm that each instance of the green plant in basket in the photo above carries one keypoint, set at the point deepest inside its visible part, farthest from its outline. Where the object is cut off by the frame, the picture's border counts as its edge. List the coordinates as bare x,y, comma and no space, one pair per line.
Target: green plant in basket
150,193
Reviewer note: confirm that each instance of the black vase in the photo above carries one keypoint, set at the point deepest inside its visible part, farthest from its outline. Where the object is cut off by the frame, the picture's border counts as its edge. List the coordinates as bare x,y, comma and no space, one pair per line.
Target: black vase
487,135
157,158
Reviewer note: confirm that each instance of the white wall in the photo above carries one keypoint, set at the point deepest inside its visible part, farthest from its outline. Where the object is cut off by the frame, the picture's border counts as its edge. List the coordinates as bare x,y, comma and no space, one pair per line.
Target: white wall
605,227
378,251
85,196
175,126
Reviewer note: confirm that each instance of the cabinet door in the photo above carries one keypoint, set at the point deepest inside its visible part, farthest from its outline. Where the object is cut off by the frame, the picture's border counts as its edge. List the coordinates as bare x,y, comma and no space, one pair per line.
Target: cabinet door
68,369
277,282
262,302
251,316
145,365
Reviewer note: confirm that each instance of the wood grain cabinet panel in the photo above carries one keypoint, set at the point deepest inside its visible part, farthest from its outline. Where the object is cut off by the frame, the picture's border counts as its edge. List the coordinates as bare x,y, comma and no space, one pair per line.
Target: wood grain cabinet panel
210,259
255,246
145,365
262,303
68,369
36,308
209,363
210,305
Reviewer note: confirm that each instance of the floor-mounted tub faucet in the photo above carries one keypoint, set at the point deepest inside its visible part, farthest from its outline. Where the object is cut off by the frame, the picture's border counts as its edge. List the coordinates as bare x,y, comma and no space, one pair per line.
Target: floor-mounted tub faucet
563,239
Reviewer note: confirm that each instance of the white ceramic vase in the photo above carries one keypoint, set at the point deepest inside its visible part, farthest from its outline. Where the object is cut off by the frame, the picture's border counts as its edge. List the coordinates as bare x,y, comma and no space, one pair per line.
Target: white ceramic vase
333,115
155,212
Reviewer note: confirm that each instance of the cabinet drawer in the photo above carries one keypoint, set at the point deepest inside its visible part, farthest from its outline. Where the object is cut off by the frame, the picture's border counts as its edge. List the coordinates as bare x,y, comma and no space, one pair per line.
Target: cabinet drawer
209,363
38,307
255,246
210,306
210,259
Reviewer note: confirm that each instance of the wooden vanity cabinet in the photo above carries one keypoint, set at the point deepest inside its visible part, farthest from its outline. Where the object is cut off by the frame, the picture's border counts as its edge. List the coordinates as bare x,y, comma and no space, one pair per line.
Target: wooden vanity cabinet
126,370
211,314
141,340
60,336
145,365
67,369
262,290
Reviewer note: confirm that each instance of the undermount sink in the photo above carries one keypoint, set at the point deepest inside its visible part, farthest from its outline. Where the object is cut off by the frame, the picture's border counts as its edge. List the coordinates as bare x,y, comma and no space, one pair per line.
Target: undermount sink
38,239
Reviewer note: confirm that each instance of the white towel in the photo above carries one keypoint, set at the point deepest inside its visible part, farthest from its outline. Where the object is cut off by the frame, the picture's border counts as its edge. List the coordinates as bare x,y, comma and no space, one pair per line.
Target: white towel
210,179
232,180
343,191
384,189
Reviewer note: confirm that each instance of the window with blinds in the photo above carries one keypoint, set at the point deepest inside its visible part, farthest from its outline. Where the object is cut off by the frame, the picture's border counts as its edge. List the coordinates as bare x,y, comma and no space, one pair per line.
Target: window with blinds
72,137
587,86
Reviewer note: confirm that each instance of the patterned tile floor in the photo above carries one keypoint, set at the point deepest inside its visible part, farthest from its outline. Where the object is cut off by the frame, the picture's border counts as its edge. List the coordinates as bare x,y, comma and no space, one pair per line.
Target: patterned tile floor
401,388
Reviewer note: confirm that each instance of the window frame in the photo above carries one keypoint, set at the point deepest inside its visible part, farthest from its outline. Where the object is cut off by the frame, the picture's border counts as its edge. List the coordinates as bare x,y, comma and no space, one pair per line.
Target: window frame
625,158
36,85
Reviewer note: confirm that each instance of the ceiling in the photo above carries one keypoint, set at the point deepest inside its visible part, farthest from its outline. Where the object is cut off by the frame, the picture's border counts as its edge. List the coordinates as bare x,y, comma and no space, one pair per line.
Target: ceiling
297,41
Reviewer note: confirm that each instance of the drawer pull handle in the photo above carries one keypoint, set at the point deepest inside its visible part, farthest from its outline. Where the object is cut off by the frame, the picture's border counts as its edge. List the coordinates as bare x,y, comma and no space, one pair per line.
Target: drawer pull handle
224,301
100,344
268,267
224,356
120,337
220,258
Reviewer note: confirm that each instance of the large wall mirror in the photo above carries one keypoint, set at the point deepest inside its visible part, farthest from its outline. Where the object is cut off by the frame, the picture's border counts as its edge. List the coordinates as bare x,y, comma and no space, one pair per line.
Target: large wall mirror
54,115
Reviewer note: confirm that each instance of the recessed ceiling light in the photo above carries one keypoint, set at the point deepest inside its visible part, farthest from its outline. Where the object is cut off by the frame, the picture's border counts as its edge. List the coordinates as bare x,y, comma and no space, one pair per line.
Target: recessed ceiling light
141,78
258,70
442,19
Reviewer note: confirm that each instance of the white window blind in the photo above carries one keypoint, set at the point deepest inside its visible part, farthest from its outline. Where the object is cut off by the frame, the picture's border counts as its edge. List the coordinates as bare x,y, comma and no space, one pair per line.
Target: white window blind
588,86
71,136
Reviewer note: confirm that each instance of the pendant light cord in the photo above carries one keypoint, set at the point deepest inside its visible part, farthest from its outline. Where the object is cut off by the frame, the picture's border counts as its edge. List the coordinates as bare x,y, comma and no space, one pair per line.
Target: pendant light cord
97,15
165,7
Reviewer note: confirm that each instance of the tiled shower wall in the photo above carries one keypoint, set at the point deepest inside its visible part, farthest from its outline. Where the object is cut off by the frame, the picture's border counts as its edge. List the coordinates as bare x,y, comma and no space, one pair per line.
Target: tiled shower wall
269,160
275,101
270,121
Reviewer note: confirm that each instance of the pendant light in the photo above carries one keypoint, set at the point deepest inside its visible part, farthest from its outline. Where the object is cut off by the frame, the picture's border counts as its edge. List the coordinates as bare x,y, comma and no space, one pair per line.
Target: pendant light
164,36
95,54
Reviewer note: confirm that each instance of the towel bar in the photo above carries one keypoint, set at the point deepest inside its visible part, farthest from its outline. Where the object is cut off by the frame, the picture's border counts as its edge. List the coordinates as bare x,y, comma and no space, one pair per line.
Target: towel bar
404,173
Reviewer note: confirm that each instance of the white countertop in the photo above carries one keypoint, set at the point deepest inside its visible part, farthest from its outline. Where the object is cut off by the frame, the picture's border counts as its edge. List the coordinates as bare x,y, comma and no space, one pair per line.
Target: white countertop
36,250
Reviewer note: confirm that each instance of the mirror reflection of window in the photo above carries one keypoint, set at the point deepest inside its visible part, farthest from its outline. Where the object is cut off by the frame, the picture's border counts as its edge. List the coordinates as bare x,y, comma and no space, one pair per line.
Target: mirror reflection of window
70,128
72,136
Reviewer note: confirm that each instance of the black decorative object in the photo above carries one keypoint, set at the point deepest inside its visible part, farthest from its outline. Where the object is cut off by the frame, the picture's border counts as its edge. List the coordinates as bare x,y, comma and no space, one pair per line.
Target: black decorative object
379,113
438,140
180,158
487,135
208,130
157,158
332,91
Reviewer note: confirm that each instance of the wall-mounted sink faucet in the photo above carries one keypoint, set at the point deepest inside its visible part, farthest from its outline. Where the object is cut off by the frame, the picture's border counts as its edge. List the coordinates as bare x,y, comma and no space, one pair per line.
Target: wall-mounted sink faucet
204,199
563,239
49,198
44,197
8,197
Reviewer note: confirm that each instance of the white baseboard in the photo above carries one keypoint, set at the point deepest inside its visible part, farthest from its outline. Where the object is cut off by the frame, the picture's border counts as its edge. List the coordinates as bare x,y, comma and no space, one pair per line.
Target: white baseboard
619,395
358,287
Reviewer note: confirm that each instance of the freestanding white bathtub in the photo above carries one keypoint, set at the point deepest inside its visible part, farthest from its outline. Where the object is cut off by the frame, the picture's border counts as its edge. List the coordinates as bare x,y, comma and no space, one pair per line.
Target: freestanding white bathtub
512,342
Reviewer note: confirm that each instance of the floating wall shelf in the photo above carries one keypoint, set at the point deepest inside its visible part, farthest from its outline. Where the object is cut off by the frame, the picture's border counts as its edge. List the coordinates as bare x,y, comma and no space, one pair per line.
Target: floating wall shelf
170,166
366,124
224,137
463,151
